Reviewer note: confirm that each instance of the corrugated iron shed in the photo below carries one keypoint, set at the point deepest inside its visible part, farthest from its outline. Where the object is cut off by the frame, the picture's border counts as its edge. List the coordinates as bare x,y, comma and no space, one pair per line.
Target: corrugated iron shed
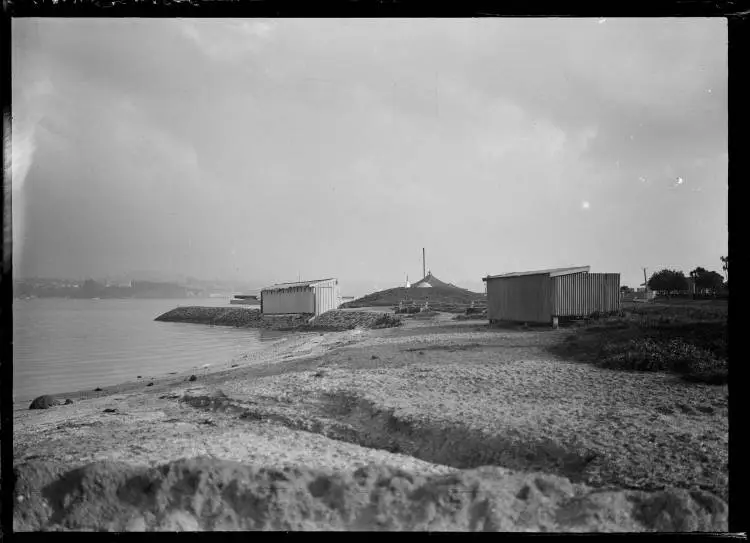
524,298
552,272
579,295
297,284
316,297
545,295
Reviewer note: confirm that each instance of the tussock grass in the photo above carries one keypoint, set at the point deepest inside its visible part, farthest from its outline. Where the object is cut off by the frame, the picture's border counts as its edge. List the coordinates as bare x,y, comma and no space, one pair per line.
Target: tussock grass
687,339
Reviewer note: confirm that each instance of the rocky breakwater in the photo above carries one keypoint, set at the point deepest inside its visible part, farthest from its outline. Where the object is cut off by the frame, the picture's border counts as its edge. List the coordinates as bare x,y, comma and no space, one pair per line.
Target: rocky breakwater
211,494
245,318
239,317
349,320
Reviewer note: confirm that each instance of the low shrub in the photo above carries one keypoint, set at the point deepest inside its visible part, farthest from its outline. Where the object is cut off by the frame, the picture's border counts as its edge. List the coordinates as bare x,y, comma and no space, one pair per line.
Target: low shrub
387,321
675,355
690,340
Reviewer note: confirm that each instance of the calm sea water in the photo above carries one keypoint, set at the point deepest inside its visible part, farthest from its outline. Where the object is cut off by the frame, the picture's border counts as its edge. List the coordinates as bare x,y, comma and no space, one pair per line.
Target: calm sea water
64,345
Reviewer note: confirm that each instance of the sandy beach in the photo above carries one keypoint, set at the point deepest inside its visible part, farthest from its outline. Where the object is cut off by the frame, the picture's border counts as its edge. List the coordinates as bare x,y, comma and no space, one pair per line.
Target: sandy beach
432,398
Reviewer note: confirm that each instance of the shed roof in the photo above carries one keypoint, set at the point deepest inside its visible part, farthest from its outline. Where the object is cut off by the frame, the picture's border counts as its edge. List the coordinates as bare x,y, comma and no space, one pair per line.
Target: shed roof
552,272
298,284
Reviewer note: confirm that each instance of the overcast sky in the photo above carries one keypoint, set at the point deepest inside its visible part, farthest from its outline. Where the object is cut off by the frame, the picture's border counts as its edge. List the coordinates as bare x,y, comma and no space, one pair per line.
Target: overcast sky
260,149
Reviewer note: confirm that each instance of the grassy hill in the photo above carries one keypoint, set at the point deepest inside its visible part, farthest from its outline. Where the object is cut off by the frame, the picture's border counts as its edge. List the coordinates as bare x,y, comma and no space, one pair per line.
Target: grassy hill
440,295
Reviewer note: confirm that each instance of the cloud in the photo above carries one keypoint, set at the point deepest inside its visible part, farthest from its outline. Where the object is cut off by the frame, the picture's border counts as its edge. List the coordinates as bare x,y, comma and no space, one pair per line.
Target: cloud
29,109
608,77
27,113
227,40
488,123
23,147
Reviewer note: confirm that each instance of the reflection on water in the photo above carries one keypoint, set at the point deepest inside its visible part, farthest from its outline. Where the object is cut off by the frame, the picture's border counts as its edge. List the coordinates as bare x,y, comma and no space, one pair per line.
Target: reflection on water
67,345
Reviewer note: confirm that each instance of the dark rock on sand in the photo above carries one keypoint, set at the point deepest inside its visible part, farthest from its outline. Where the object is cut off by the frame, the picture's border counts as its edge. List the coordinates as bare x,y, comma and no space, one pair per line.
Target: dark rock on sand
192,378
97,389
110,410
44,402
68,401
150,385
210,494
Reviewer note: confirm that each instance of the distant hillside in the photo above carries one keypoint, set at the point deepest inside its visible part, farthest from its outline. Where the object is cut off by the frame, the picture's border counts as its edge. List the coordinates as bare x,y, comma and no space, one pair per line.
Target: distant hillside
438,293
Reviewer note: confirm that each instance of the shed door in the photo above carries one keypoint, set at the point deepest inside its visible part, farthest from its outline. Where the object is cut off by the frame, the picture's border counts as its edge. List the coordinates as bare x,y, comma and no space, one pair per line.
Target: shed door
324,299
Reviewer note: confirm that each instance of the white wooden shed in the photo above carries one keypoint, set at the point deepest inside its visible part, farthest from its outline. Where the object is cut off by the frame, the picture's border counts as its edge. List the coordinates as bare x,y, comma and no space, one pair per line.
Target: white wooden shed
315,297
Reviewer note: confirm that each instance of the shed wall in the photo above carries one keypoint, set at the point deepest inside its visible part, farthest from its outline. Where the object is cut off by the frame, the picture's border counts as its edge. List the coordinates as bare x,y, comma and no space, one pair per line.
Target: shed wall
294,300
520,299
581,294
327,297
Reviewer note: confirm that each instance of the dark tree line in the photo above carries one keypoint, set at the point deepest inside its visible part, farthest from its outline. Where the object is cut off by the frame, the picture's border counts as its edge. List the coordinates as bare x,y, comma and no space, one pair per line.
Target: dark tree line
704,281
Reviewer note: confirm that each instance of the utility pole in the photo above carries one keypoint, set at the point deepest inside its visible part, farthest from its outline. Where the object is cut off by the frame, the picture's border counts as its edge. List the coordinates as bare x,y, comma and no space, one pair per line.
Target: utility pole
645,282
424,273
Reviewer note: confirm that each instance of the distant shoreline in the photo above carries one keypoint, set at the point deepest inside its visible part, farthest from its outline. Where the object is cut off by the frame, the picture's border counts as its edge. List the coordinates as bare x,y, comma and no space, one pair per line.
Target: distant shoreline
228,296
138,289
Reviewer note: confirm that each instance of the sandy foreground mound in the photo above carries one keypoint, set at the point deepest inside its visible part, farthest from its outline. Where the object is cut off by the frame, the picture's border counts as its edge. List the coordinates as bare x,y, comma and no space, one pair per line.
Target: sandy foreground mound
209,494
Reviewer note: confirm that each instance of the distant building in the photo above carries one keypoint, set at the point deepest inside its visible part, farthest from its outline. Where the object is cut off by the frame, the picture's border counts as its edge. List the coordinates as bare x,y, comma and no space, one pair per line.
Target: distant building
641,294
118,284
425,281
315,297
245,299
543,296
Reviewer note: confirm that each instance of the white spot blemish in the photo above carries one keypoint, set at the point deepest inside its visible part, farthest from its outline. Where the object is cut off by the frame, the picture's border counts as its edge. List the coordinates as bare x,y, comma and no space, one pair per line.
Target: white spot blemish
679,181
585,204
602,20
